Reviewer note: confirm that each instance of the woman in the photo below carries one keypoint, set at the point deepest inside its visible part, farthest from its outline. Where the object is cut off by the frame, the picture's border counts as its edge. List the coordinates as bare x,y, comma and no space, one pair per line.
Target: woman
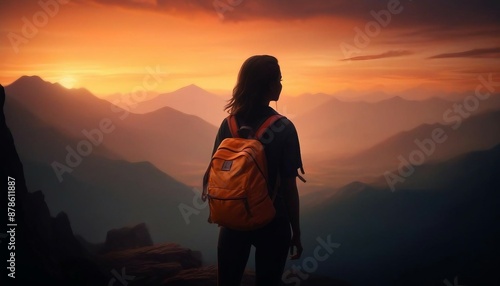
259,82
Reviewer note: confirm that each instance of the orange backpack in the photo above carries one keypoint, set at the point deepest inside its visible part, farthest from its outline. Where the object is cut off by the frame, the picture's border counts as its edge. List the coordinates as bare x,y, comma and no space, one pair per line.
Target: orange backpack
236,181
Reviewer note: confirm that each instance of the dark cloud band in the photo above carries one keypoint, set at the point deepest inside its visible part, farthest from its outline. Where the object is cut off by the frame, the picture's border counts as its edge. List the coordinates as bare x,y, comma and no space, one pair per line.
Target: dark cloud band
389,54
475,53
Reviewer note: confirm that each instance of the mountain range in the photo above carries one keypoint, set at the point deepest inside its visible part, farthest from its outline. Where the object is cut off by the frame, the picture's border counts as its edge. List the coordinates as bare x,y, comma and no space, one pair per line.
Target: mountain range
181,149
104,188
478,132
439,222
339,128
190,100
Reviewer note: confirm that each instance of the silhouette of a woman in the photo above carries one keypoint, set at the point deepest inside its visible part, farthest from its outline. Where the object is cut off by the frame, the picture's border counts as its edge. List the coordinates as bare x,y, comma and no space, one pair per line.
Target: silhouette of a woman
259,82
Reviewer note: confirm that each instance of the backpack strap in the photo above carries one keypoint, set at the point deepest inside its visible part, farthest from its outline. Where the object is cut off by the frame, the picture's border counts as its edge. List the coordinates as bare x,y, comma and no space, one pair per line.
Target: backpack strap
258,135
233,126
268,122
205,183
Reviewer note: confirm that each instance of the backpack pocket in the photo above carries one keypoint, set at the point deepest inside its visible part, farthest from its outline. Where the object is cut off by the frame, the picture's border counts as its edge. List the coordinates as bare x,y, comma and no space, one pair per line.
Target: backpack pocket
234,210
228,208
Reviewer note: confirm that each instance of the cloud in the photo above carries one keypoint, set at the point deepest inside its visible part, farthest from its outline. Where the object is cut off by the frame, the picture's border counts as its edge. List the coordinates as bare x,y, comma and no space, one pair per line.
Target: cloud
475,53
163,6
389,54
428,20
422,13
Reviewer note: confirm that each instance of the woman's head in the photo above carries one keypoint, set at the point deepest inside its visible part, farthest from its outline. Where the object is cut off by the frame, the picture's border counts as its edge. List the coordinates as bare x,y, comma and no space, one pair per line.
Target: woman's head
259,81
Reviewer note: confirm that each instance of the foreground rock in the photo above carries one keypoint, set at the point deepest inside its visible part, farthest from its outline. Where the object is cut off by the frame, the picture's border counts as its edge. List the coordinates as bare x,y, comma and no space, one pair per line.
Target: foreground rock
163,264
127,238
46,251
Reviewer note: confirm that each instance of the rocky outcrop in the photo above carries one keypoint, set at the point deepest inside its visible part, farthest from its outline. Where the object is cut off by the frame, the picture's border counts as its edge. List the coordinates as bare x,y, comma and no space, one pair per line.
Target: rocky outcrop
127,238
151,265
173,265
46,251
164,264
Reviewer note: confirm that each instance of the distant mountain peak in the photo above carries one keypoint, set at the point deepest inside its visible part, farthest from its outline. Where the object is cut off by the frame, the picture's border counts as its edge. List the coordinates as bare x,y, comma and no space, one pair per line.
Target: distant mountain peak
30,79
35,82
191,88
192,92
396,98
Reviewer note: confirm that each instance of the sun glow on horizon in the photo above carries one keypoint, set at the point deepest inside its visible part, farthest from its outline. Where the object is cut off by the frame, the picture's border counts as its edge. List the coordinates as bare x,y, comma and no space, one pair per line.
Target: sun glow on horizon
67,81
121,49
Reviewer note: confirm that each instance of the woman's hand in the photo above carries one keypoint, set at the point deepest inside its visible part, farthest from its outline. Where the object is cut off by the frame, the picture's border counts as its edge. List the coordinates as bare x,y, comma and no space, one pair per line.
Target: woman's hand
295,247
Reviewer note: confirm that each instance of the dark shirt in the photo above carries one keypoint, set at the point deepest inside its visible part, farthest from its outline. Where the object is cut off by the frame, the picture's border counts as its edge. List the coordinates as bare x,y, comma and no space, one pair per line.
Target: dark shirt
281,145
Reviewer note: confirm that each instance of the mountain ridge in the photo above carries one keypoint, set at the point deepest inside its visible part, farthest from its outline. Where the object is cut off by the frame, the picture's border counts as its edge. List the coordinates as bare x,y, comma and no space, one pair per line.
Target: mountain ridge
173,141
435,218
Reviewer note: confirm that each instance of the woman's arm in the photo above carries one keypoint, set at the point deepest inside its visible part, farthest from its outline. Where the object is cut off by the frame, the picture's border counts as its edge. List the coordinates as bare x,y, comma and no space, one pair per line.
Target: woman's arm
291,195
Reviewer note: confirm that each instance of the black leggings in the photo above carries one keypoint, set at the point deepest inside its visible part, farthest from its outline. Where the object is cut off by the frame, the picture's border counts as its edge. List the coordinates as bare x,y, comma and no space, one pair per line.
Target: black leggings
271,242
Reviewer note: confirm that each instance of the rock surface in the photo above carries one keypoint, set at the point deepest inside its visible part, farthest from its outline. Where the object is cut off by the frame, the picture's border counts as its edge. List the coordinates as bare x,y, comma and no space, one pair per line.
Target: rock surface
127,237
47,252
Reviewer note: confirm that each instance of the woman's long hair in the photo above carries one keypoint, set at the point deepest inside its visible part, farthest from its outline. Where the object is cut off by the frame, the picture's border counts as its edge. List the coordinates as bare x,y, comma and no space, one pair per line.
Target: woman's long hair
254,81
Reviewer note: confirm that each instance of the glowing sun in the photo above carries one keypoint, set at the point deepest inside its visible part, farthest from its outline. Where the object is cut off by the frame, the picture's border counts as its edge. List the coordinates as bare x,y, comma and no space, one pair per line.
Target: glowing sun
67,81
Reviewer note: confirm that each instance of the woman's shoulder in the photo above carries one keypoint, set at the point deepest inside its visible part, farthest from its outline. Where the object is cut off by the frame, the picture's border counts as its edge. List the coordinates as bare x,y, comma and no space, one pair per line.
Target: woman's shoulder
283,125
283,128
285,120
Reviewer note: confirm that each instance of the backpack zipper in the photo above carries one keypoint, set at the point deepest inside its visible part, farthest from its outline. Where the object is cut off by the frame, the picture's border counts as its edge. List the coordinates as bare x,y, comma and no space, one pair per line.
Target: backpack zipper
244,199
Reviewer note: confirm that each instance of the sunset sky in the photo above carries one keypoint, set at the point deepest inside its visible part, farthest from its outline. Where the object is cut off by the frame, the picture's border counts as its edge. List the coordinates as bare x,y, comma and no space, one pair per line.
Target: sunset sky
107,46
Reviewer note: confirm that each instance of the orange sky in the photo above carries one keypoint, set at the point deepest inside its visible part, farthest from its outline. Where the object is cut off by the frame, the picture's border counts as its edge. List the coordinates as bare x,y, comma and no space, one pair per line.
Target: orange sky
106,47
